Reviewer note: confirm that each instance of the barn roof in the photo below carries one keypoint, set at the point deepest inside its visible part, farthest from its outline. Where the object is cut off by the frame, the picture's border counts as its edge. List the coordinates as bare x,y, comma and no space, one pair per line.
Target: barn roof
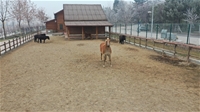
84,15
87,23
58,12
49,20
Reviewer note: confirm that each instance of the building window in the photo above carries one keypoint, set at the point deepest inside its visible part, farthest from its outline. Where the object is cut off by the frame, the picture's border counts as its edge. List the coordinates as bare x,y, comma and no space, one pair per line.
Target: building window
61,27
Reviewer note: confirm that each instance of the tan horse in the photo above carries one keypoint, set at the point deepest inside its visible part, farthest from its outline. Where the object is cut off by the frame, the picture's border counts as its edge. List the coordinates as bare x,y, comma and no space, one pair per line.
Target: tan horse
105,50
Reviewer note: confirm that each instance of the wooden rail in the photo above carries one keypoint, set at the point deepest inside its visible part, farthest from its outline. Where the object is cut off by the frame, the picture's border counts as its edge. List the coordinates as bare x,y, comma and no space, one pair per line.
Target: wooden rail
14,43
163,42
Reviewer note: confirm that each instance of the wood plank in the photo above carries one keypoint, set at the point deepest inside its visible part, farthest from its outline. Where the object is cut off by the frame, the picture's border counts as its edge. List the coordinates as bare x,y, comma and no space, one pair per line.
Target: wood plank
82,33
96,32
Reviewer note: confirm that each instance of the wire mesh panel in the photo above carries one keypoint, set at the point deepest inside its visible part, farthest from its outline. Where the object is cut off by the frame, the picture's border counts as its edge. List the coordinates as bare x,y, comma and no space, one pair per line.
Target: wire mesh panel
162,31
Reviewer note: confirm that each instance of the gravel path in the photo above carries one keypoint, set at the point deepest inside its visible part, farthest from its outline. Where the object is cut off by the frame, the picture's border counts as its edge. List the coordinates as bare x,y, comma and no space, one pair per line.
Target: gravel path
62,75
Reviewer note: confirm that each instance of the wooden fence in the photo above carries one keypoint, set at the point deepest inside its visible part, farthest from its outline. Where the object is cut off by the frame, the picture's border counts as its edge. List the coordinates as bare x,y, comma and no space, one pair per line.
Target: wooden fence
132,39
14,43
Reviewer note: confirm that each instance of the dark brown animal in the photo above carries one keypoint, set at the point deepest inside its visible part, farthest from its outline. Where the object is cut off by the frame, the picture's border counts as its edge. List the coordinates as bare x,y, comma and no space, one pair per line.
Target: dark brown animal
88,35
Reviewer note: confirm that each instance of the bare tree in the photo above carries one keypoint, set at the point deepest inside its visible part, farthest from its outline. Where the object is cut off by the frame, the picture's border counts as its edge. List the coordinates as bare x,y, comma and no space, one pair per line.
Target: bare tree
17,10
41,15
30,11
125,11
191,16
110,14
141,13
4,13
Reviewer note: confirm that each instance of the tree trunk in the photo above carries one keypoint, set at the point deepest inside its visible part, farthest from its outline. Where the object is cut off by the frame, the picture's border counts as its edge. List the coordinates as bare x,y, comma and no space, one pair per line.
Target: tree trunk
4,31
28,24
19,23
29,27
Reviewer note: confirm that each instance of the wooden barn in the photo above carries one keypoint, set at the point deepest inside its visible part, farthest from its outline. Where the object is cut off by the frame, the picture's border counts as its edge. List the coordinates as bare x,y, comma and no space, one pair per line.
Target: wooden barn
79,19
51,26
56,24
85,19
59,17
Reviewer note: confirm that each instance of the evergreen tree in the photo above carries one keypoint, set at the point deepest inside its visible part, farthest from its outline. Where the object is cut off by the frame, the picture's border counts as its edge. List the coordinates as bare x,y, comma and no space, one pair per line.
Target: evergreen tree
158,13
196,6
140,2
115,5
173,10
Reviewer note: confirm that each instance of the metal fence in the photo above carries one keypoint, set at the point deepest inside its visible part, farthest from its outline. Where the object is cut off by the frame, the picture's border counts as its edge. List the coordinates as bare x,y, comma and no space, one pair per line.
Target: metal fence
12,32
184,33
176,49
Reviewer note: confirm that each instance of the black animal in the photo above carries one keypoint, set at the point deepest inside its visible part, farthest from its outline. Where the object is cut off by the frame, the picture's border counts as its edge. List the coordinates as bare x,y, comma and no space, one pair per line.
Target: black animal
37,36
88,35
122,38
41,37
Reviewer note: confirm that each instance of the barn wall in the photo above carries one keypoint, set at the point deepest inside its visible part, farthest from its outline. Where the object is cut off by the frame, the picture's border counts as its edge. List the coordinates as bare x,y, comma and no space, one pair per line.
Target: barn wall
51,25
87,29
60,21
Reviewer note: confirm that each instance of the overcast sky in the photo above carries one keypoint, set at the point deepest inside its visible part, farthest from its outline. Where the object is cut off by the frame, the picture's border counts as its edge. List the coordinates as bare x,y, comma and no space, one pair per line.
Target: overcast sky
53,6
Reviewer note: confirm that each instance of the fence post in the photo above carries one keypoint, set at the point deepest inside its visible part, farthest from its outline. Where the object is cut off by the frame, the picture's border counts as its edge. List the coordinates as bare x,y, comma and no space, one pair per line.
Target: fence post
5,46
120,28
29,37
188,35
0,49
115,28
156,31
188,57
9,44
20,41
175,49
146,29
125,28
138,29
23,39
131,29
170,32
163,52
17,41
13,43
199,29
146,43
130,34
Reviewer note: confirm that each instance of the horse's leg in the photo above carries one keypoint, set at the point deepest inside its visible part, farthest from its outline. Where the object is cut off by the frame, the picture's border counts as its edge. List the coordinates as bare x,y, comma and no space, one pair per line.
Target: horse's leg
104,60
110,60
101,56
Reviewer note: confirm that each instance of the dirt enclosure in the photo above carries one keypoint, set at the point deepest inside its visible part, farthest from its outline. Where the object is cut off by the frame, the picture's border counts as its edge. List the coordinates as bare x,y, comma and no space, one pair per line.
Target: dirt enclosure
62,75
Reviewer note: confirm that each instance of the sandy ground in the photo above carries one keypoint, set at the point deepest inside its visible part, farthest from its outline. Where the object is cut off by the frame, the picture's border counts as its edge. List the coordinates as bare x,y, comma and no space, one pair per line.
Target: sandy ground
62,75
